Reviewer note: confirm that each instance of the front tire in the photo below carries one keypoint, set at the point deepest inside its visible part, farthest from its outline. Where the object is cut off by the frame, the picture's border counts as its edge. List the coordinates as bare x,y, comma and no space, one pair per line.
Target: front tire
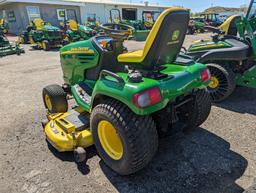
130,141
55,99
222,83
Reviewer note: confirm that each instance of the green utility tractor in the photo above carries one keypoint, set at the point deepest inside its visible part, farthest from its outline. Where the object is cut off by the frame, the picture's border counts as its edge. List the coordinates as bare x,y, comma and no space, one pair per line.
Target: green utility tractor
196,25
148,20
93,22
140,32
44,35
4,26
6,48
211,19
75,32
125,100
230,54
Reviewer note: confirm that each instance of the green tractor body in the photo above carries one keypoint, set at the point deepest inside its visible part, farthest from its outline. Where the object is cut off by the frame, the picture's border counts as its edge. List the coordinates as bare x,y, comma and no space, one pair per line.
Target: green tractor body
196,25
124,100
230,55
6,48
41,34
49,35
179,79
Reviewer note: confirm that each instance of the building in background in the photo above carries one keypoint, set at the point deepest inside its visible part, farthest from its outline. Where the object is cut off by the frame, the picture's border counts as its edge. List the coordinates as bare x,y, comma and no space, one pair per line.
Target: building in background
129,11
19,13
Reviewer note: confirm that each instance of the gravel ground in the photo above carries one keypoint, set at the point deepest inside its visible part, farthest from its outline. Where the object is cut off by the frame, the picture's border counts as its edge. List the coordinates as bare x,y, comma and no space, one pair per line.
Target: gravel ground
218,157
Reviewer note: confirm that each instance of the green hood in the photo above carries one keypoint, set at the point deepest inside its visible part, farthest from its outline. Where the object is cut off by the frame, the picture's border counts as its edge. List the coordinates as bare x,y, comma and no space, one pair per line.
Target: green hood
85,28
51,28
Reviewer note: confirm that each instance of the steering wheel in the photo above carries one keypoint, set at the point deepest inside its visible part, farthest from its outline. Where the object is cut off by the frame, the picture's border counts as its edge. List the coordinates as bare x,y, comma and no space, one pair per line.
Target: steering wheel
117,31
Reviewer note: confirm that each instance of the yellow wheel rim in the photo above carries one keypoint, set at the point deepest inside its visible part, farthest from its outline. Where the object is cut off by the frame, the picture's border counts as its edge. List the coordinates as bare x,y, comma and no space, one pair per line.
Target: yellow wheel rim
110,140
44,45
214,82
48,102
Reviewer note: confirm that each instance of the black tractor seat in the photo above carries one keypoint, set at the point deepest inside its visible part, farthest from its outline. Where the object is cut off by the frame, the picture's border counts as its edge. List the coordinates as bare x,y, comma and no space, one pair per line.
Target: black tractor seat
239,51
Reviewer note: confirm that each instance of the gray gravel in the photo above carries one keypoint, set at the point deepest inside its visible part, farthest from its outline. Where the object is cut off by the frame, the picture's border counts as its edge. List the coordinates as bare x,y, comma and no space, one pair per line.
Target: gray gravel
218,157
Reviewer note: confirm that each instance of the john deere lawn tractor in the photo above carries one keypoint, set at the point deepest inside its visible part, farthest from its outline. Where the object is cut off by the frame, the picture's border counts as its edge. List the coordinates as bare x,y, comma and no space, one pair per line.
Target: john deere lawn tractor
148,20
196,25
75,32
140,32
230,54
93,22
6,48
211,19
125,100
45,36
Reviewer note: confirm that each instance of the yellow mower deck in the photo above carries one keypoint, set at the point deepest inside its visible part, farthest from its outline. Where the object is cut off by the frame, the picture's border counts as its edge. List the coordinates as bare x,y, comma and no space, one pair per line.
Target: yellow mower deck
66,131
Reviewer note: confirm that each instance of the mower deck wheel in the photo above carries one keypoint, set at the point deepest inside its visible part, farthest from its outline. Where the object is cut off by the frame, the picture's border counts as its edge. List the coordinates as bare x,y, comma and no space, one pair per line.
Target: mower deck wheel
55,99
125,141
222,82
79,154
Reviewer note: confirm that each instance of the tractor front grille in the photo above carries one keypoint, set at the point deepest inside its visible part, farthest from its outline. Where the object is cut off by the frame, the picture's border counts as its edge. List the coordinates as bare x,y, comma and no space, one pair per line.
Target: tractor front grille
54,34
85,58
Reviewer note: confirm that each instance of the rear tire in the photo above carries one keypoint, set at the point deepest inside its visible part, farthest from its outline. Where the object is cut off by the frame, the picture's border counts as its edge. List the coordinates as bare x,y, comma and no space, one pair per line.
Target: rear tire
54,98
198,110
137,134
225,79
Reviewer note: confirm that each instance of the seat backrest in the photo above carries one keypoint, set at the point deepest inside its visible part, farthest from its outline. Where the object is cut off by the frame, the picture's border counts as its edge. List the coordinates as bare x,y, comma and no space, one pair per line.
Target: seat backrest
165,40
39,23
73,25
229,26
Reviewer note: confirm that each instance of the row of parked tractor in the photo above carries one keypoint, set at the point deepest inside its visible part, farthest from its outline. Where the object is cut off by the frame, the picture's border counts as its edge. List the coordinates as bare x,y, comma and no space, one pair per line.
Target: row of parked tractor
200,23
42,35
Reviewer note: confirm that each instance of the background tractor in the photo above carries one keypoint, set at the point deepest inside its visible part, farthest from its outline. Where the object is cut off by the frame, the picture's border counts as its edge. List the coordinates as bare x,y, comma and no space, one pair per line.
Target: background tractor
6,48
211,19
93,23
75,32
142,28
196,25
44,35
230,55
125,100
